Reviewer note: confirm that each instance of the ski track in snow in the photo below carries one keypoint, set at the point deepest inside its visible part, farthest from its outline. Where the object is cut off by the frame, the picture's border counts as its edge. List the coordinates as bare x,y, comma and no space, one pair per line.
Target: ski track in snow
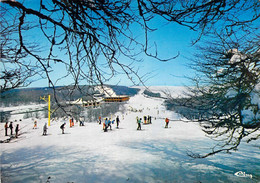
87,154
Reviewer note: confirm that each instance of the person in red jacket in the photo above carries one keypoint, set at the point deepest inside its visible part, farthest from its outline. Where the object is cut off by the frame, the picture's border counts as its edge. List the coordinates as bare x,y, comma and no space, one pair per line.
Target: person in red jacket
71,122
167,122
99,120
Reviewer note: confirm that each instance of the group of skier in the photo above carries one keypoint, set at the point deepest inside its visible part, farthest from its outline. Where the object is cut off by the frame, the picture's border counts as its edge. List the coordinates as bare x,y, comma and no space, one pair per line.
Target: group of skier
108,123
148,120
62,127
11,127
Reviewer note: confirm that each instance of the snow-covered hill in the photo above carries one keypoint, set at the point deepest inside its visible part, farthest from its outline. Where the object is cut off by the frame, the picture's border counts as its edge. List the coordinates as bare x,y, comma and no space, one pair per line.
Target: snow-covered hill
88,154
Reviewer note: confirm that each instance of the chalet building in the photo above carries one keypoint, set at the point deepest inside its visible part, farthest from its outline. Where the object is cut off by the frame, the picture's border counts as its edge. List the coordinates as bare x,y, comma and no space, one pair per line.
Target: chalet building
104,95
88,102
110,96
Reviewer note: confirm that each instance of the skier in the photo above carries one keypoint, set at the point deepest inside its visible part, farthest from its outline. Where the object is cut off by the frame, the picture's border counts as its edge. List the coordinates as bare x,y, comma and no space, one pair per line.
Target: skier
71,121
45,129
35,124
109,123
117,122
105,125
139,121
6,128
11,127
167,122
145,118
16,130
99,119
62,127
81,123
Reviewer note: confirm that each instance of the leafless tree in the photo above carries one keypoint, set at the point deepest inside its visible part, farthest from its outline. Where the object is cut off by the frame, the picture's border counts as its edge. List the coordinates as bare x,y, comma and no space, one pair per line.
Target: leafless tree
225,101
16,69
93,40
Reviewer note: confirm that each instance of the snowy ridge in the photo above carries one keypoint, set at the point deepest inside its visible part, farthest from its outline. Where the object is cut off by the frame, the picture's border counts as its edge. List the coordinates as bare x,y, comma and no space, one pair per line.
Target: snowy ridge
175,91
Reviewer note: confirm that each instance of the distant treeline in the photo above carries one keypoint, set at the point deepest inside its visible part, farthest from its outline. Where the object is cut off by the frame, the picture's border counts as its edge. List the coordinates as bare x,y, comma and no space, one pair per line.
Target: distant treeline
124,90
151,94
32,95
177,106
190,108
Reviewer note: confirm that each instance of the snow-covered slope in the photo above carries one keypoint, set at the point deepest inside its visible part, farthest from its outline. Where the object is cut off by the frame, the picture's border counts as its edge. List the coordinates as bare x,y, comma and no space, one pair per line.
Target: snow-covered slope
148,106
88,154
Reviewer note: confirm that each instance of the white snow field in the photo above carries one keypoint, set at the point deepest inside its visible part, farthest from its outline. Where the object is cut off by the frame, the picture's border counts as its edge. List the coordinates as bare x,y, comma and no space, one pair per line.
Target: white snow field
86,154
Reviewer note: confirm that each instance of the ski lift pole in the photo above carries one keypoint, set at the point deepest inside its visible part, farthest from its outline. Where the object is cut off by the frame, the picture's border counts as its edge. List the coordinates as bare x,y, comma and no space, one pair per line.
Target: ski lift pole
49,108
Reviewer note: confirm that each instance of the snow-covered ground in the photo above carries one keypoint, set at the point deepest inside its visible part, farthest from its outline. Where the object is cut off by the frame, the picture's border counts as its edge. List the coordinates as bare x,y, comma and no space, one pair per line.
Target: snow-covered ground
154,154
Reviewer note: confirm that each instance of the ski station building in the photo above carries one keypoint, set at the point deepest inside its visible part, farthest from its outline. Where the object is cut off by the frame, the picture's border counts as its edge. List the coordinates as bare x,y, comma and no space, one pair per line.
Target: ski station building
105,95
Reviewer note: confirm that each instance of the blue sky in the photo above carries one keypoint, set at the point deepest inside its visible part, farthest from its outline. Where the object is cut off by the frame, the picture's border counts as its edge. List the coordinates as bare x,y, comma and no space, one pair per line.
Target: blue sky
171,39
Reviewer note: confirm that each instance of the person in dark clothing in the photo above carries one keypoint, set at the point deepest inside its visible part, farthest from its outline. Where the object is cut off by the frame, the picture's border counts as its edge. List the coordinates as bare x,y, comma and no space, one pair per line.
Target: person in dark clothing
105,125
45,129
16,130
81,121
11,127
6,128
139,121
62,127
117,122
